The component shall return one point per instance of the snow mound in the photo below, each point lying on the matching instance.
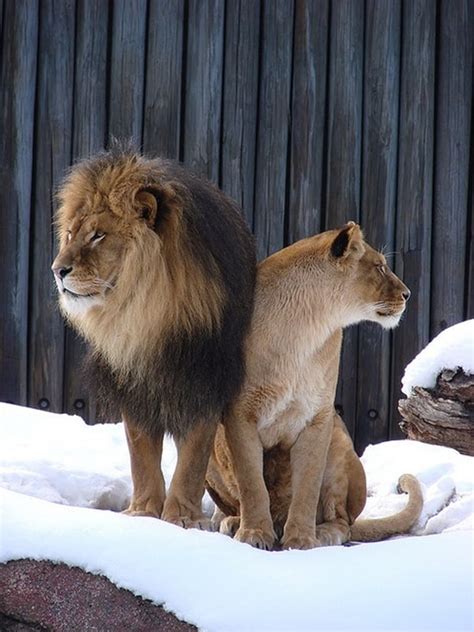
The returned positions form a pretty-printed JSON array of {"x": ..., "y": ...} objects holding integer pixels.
[
  {"x": 452, "y": 348},
  {"x": 214, "y": 582}
]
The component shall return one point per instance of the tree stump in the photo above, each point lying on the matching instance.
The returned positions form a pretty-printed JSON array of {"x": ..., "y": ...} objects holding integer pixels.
[{"x": 443, "y": 415}]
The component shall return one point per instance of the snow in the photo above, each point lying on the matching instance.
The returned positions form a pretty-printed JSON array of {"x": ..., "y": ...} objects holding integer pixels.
[
  {"x": 452, "y": 348},
  {"x": 55, "y": 472}
]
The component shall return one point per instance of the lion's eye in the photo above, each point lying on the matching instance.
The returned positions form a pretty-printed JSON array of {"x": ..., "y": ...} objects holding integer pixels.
[
  {"x": 382, "y": 268},
  {"x": 97, "y": 236},
  {"x": 68, "y": 235}
]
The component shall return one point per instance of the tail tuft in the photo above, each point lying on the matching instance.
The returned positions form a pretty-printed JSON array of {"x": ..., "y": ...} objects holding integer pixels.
[{"x": 381, "y": 528}]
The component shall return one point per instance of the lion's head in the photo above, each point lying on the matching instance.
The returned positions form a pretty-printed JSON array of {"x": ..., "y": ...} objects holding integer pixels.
[
  {"x": 127, "y": 270},
  {"x": 156, "y": 269}
]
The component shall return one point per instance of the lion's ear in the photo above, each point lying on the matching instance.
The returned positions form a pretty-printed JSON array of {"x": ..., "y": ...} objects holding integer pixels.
[
  {"x": 348, "y": 243},
  {"x": 146, "y": 201}
]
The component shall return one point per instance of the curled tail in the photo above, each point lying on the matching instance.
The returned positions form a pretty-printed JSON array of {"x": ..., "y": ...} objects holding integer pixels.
[{"x": 376, "y": 529}]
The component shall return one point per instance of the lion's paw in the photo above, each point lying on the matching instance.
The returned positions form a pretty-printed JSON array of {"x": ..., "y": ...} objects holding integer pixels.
[
  {"x": 300, "y": 541},
  {"x": 229, "y": 525},
  {"x": 259, "y": 538}
]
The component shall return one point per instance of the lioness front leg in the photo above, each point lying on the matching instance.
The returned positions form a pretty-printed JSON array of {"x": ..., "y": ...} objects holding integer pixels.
[
  {"x": 148, "y": 482},
  {"x": 308, "y": 460},
  {"x": 183, "y": 505},
  {"x": 256, "y": 525}
]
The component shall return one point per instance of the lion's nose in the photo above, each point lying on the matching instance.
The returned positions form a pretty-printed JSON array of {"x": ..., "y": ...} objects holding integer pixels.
[
  {"x": 61, "y": 271},
  {"x": 406, "y": 294}
]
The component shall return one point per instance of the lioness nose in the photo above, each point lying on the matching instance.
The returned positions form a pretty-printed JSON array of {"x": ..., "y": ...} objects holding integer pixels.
[
  {"x": 406, "y": 294},
  {"x": 61, "y": 272}
]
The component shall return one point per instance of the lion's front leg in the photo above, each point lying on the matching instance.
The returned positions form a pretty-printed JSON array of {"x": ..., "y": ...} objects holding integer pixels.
[
  {"x": 308, "y": 461},
  {"x": 148, "y": 482},
  {"x": 183, "y": 505}
]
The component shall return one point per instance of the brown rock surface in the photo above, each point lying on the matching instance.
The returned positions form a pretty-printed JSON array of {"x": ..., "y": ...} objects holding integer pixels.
[{"x": 58, "y": 598}]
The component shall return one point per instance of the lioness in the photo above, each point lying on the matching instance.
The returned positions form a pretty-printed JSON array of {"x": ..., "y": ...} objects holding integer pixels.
[
  {"x": 156, "y": 269},
  {"x": 282, "y": 433}
]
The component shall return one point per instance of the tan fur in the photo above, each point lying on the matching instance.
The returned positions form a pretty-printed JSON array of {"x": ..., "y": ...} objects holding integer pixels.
[{"x": 283, "y": 459}]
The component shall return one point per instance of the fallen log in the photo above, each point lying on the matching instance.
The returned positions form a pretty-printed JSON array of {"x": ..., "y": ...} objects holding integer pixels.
[{"x": 443, "y": 415}]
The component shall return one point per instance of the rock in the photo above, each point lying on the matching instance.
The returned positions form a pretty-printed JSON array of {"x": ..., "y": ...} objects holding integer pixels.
[{"x": 59, "y": 598}]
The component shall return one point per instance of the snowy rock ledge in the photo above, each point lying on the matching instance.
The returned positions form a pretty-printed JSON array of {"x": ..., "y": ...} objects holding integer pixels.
[{"x": 439, "y": 384}]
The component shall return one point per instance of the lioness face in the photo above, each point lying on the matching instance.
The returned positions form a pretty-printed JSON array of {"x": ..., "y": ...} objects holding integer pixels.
[
  {"x": 370, "y": 288},
  {"x": 380, "y": 289}
]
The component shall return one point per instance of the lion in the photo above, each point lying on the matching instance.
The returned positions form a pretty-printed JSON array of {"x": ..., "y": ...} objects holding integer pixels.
[
  {"x": 283, "y": 464},
  {"x": 156, "y": 270}
]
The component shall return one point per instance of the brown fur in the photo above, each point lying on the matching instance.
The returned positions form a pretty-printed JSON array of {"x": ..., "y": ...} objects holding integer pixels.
[
  {"x": 156, "y": 270},
  {"x": 283, "y": 459}
]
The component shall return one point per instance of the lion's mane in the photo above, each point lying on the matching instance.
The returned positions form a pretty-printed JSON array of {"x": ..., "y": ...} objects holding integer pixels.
[{"x": 166, "y": 349}]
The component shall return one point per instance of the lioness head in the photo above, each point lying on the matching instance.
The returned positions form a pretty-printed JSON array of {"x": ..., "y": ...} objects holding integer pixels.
[{"x": 369, "y": 284}]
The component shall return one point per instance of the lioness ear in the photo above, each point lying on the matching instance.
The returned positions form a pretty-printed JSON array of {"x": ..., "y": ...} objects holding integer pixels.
[
  {"x": 146, "y": 201},
  {"x": 348, "y": 242}
]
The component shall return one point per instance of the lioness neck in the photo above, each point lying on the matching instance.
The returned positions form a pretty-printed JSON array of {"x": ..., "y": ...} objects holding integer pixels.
[{"x": 304, "y": 302}]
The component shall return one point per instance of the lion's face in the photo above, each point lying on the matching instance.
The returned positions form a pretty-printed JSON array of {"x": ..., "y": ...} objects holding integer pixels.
[
  {"x": 92, "y": 249},
  {"x": 101, "y": 215}
]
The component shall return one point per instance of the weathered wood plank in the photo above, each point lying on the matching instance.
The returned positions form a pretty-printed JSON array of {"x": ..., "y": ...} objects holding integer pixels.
[
  {"x": 469, "y": 298},
  {"x": 344, "y": 159},
  {"x": 308, "y": 118},
  {"x": 127, "y": 70},
  {"x": 164, "y": 64},
  {"x": 453, "y": 119},
  {"x": 415, "y": 186},
  {"x": 273, "y": 125},
  {"x": 90, "y": 118},
  {"x": 53, "y": 146},
  {"x": 1, "y": 20},
  {"x": 379, "y": 183},
  {"x": 240, "y": 101},
  {"x": 204, "y": 68},
  {"x": 17, "y": 103}
]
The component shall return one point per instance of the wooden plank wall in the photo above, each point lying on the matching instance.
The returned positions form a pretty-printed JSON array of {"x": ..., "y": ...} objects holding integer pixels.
[{"x": 307, "y": 112}]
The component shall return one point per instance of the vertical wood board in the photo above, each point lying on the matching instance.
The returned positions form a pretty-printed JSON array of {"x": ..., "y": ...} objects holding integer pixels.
[
  {"x": 415, "y": 186},
  {"x": 17, "y": 106},
  {"x": 273, "y": 126},
  {"x": 53, "y": 146},
  {"x": 164, "y": 68},
  {"x": 240, "y": 99}
]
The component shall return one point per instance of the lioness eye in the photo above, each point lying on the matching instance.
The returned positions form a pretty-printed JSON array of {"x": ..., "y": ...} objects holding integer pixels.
[
  {"x": 381, "y": 267},
  {"x": 97, "y": 236}
]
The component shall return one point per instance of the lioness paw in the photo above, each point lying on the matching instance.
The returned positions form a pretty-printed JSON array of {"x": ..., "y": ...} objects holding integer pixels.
[
  {"x": 140, "y": 513},
  {"x": 203, "y": 523},
  {"x": 229, "y": 525},
  {"x": 301, "y": 542},
  {"x": 258, "y": 538}
]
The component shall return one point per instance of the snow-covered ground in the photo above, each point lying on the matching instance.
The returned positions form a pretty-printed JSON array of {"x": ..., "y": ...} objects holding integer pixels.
[
  {"x": 56, "y": 472},
  {"x": 451, "y": 349}
]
